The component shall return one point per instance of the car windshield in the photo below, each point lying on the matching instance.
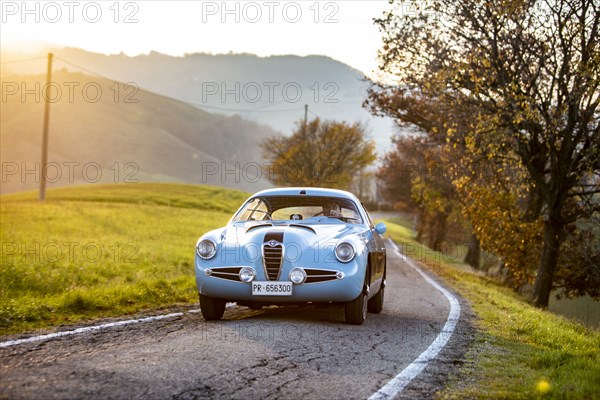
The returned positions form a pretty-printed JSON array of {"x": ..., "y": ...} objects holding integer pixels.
[{"x": 299, "y": 208}]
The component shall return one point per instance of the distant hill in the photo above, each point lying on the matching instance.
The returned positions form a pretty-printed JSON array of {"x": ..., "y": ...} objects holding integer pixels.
[
  {"x": 104, "y": 132},
  {"x": 270, "y": 90}
]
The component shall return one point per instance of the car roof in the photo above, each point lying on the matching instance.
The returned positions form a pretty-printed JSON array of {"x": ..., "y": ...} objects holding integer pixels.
[{"x": 307, "y": 191}]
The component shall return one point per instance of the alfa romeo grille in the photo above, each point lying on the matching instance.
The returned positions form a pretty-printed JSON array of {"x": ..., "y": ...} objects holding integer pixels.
[{"x": 272, "y": 257}]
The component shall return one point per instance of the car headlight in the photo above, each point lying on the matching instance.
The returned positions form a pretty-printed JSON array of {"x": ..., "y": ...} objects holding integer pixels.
[
  {"x": 344, "y": 252},
  {"x": 298, "y": 276},
  {"x": 247, "y": 274},
  {"x": 206, "y": 249}
]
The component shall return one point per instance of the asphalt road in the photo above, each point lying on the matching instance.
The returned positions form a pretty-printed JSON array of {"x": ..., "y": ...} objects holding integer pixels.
[{"x": 290, "y": 353}]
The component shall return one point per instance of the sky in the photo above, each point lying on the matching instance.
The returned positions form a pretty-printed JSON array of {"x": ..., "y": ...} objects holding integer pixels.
[{"x": 343, "y": 30}]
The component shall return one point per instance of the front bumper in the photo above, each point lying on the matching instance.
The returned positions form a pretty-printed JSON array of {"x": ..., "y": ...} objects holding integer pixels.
[{"x": 226, "y": 286}]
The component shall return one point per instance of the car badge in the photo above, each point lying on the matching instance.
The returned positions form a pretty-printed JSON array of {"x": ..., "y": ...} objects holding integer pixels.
[{"x": 273, "y": 243}]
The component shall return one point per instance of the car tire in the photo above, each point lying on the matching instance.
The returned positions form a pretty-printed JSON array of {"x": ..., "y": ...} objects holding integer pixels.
[
  {"x": 375, "y": 305},
  {"x": 212, "y": 309},
  {"x": 356, "y": 310}
]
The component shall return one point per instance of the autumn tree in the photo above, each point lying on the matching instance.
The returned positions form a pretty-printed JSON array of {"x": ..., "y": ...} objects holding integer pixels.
[
  {"x": 395, "y": 173},
  {"x": 528, "y": 73},
  {"x": 494, "y": 198},
  {"x": 413, "y": 110},
  {"x": 412, "y": 176},
  {"x": 322, "y": 153}
]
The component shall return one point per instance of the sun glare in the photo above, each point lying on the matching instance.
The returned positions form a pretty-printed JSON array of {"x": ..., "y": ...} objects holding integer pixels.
[{"x": 344, "y": 32}]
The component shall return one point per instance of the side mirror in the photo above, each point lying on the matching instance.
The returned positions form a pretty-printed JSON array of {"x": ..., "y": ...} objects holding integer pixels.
[{"x": 380, "y": 228}]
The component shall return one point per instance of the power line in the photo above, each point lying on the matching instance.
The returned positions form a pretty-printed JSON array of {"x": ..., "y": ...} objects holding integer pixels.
[
  {"x": 183, "y": 101},
  {"x": 23, "y": 60},
  {"x": 242, "y": 110},
  {"x": 88, "y": 70},
  {"x": 200, "y": 105},
  {"x": 310, "y": 111}
]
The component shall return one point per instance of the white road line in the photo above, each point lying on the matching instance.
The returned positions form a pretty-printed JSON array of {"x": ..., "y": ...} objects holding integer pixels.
[
  {"x": 85, "y": 329},
  {"x": 400, "y": 381}
]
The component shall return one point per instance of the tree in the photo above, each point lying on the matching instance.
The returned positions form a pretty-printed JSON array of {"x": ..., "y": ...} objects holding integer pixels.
[
  {"x": 580, "y": 258},
  {"x": 431, "y": 190},
  {"x": 324, "y": 153},
  {"x": 529, "y": 72},
  {"x": 412, "y": 177},
  {"x": 396, "y": 172}
]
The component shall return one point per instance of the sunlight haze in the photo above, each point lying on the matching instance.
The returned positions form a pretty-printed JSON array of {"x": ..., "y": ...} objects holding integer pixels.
[{"x": 343, "y": 30}]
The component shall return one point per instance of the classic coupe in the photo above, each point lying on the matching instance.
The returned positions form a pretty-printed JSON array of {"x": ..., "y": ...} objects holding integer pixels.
[{"x": 294, "y": 246}]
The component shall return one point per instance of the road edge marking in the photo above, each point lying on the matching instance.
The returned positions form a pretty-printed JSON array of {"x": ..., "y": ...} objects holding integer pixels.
[
  {"x": 55, "y": 335},
  {"x": 84, "y": 329},
  {"x": 400, "y": 381}
]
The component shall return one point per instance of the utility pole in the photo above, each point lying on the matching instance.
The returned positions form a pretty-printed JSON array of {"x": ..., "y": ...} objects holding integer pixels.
[
  {"x": 305, "y": 117},
  {"x": 44, "y": 165}
]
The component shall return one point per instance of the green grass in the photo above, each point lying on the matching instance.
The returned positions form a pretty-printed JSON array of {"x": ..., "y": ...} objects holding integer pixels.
[
  {"x": 520, "y": 352},
  {"x": 102, "y": 250},
  {"x": 399, "y": 229}
]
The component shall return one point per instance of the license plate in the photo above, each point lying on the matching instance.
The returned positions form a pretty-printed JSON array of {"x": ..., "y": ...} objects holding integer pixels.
[{"x": 260, "y": 288}]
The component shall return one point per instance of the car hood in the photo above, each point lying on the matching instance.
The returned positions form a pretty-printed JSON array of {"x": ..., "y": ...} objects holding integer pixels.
[{"x": 311, "y": 235}]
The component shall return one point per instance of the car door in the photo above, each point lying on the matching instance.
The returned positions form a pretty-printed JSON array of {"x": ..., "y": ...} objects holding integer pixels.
[{"x": 377, "y": 249}]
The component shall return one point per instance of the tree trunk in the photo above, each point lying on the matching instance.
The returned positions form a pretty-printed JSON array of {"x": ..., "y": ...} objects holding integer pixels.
[
  {"x": 473, "y": 256},
  {"x": 548, "y": 262},
  {"x": 438, "y": 229},
  {"x": 421, "y": 224}
]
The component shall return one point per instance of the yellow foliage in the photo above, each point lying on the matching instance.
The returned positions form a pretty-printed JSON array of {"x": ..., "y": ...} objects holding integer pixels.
[{"x": 323, "y": 154}]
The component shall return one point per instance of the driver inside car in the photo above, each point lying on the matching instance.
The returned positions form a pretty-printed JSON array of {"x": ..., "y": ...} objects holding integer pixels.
[{"x": 332, "y": 209}]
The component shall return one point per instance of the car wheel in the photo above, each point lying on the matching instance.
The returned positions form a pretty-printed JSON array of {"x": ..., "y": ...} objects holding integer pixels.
[
  {"x": 356, "y": 310},
  {"x": 375, "y": 305},
  {"x": 212, "y": 309}
]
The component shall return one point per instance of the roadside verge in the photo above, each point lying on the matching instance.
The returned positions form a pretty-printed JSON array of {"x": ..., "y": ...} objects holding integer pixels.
[{"x": 519, "y": 351}]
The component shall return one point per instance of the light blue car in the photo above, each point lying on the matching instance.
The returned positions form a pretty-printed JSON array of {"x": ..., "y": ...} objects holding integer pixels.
[{"x": 294, "y": 246}]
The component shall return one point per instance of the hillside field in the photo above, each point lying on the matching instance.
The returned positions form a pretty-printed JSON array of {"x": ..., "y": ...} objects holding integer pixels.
[{"x": 102, "y": 250}]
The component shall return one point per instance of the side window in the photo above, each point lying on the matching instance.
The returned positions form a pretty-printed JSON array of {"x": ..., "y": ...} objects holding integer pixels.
[
  {"x": 369, "y": 220},
  {"x": 255, "y": 210},
  {"x": 259, "y": 212}
]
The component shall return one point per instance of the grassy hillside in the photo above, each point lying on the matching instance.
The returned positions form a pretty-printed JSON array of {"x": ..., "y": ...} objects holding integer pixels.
[
  {"x": 520, "y": 352},
  {"x": 106, "y": 132},
  {"x": 102, "y": 250}
]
